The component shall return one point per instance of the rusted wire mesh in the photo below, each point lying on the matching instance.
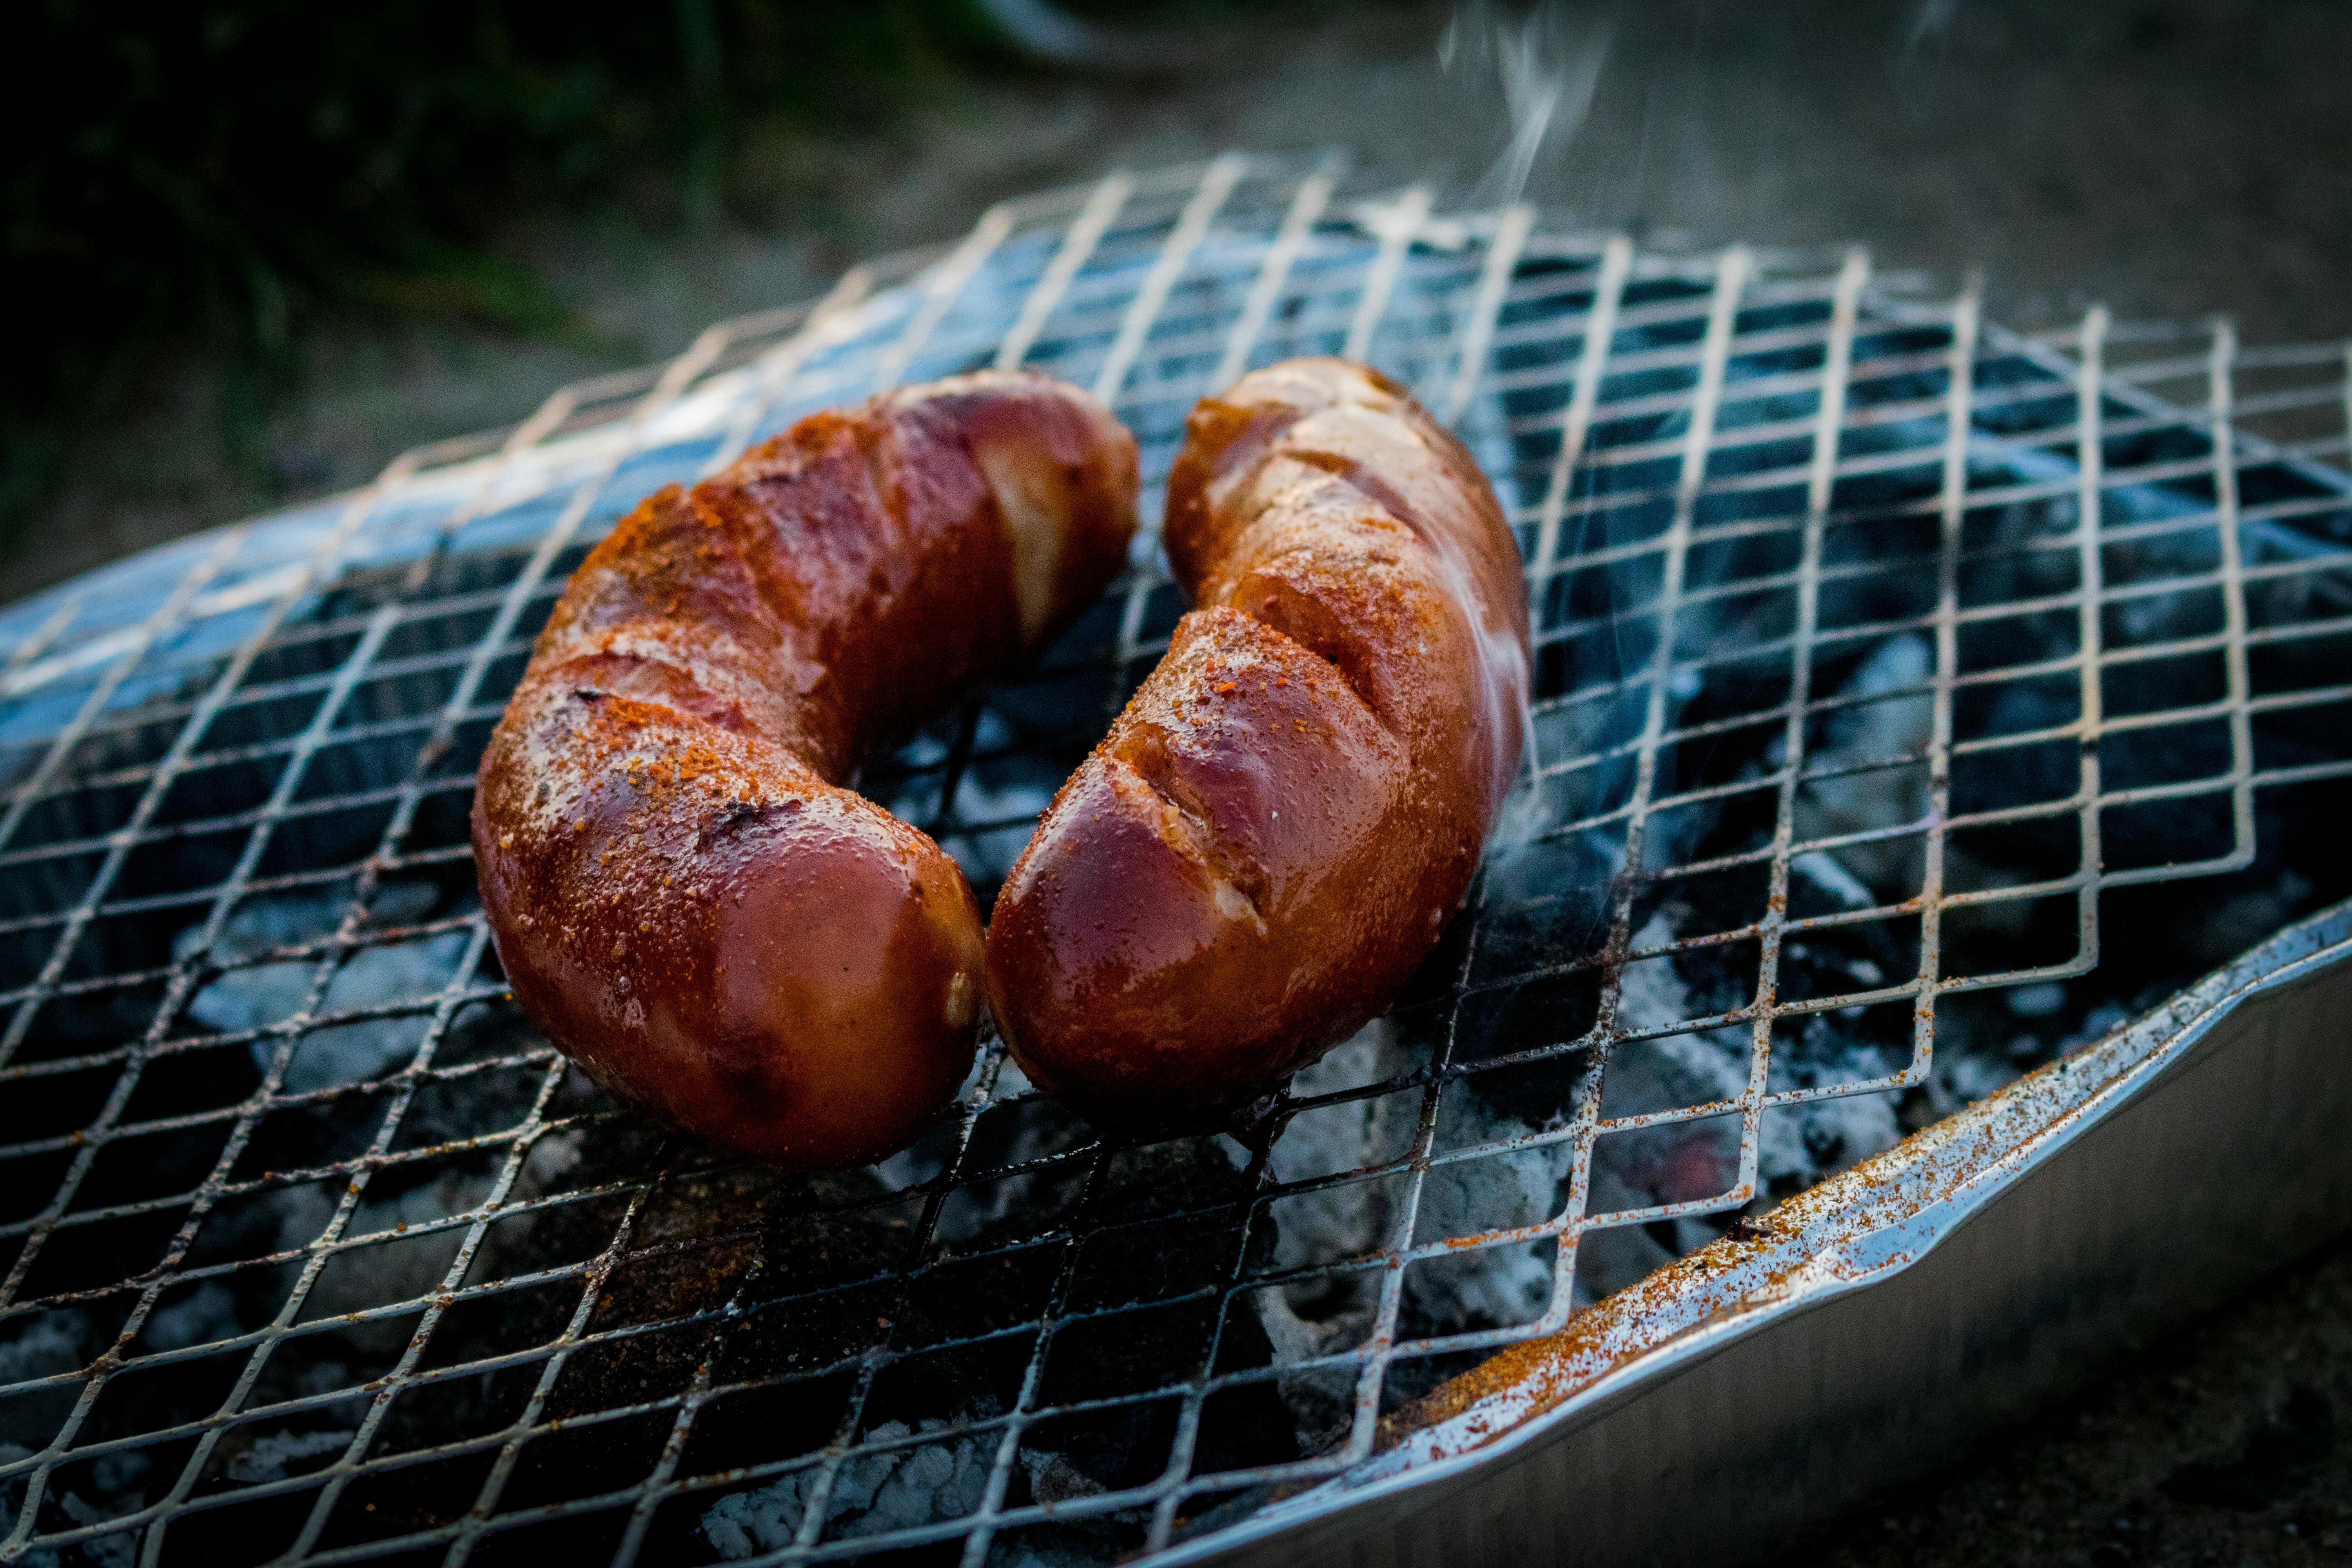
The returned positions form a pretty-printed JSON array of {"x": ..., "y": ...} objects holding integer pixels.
[{"x": 1888, "y": 663}]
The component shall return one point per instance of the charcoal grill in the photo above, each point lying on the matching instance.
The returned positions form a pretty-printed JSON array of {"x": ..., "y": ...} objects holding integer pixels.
[{"x": 1922, "y": 872}]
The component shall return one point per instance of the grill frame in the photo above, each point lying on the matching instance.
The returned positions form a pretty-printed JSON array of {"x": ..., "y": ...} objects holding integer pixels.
[
  {"x": 400, "y": 552},
  {"x": 2010, "y": 1255}
]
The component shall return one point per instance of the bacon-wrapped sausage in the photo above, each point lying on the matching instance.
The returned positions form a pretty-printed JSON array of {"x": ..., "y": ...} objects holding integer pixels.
[
  {"x": 684, "y": 896},
  {"x": 1277, "y": 829}
]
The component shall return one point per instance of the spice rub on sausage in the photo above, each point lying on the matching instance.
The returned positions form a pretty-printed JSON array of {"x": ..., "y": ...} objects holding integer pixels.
[
  {"x": 685, "y": 896},
  {"x": 1277, "y": 828}
]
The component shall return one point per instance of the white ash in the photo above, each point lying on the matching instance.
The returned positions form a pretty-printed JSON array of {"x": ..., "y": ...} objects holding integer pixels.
[
  {"x": 277, "y": 1455},
  {"x": 262, "y": 994},
  {"x": 1667, "y": 1163},
  {"x": 1823, "y": 870},
  {"x": 412, "y": 1261},
  {"x": 403, "y": 1266},
  {"x": 2036, "y": 1001},
  {"x": 1509, "y": 1284},
  {"x": 204, "y": 1314},
  {"x": 1835, "y": 1132},
  {"x": 874, "y": 1491},
  {"x": 398, "y": 1268},
  {"x": 1320, "y": 1317}
]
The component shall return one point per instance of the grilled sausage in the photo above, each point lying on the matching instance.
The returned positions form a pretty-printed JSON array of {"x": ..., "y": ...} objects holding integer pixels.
[
  {"x": 1277, "y": 828},
  {"x": 684, "y": 896}
]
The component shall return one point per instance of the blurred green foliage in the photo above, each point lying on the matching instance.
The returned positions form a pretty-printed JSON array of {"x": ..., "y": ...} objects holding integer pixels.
[{"x": 201, "y": 172}]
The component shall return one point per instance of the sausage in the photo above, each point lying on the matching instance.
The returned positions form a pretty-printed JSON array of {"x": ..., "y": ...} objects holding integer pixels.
[
  {"x": 686, "y": 899},
  {"x": 1279, "y": 825}
]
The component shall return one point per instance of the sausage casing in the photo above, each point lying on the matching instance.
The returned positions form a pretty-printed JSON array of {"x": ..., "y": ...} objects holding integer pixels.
[
  {"x": 684, "y": 896},
  {"x": 1277, "y": 828}
]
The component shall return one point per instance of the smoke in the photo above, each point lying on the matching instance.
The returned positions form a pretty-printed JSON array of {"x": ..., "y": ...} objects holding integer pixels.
[
  {"x": 1546, "y": 66},
  {"x": 1931, "y": 26},
  {"x": 1050, "y": 34}
]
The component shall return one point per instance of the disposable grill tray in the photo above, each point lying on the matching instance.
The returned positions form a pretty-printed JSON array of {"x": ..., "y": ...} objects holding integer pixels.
[{"x": 1894, "y": 673}]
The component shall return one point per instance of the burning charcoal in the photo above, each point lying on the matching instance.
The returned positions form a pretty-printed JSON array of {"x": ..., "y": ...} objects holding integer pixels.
[
  {"x": 43, "y": 1345},
  {"x": 1613, "y": 1257},
  {"x": 50, "y": 1343},
  {"x": 1673, "y": 1162},
  {"x": 1494, "y": 1285},
  {"x": 2228, "y": 926},
  {"x": 1485, "y": 1288},
  {"x": 1001, "y": 783},
  {"x": 1963, "y": 1078},
  {"x": 2103, "y": 1020},
  {"x": 1875, "y": 732},
  {"x": 1322, "y": 1400},
  {"x": 2028, "y": 772},
  {"x": 108, "y": 1489},
  {"x": 1803, "y": 1143},
  {"x": 1004, "y": 1139},
  {"x": 874, "y": 1491},
  {"x": 1319, "y": 1316},
  {"x": 1677, "y": 1160},
  {"x": 1053, "y": 1478},
  {"x": 987, "y": 856}
]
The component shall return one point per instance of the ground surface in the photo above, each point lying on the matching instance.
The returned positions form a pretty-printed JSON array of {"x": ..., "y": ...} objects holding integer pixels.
[
  {"x": 2227, "y": 1445},
  {"x": 2167, "y": 158}
]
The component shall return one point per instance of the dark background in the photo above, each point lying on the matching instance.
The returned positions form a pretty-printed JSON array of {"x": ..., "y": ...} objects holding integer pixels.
[{"x": 256, "y": 248}]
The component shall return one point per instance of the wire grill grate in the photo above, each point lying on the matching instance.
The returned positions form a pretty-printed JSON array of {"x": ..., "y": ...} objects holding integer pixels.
[{"x": 1881, "y": 656}]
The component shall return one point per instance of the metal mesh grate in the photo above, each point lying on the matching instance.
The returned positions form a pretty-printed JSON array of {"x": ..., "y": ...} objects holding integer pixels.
[{"x": 1885, "y": 657}]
